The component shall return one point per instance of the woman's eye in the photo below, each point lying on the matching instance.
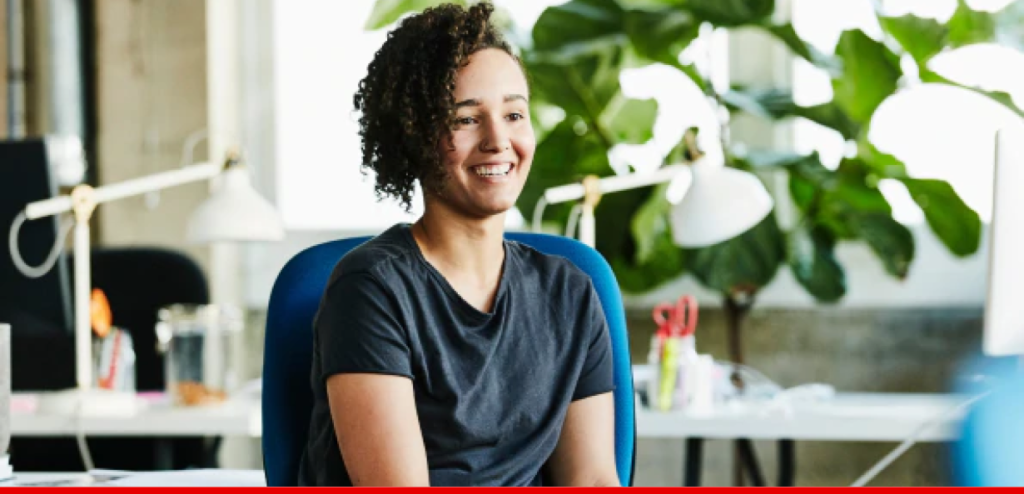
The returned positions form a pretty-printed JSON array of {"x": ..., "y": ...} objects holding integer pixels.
[
  {"x": 516, "y": 116},
  {"x": 465, "y": 121}
]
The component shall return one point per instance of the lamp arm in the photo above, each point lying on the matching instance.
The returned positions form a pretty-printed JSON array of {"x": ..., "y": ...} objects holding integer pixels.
[
  {"x": 128, "y": 188},
  {"x": 616, "y": 183}
]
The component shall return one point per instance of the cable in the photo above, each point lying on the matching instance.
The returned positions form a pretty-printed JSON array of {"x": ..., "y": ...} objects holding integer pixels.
[
  {"x": 83, "y": 447},
  {"x": 574, "y": 216},
  {"x": 51, "y": 259},
  {"x": 910, "y": 441},
  {"x": 538, "y": 214}
]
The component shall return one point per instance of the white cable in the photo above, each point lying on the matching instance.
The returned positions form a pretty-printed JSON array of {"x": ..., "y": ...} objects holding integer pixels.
[
  {"x": 538, "y": 214},
  {"x": 83, "y": 447},
  {"x": 574, "y": 216},
  {"x": 51, "y": 259},
  {"x": 910, "y": 441}
]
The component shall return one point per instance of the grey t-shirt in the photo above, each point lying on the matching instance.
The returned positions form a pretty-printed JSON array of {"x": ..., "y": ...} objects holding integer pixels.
[{"x": 491, "y": 389}]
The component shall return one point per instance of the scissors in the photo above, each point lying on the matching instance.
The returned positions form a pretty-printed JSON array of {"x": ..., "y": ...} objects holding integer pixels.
[{"x": 676, "y": 320}]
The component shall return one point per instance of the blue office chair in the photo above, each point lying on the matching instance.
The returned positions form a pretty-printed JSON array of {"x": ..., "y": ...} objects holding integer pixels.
[{"x": 287, "y": 361}]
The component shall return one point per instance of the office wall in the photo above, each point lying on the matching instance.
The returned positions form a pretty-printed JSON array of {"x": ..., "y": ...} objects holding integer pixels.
[{"x": 151, "y": 94}]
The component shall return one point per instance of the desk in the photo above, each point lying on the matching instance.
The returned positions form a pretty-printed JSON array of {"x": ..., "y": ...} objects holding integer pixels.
[
  {"x": 192, "y": 478},
  {"x": 237, "y": 417},
  {"x": 844, "y": 418},
  {"x": 847, "y": 417}
]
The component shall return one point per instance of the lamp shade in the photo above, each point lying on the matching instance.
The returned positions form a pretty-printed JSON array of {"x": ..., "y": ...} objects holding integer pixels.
[
  {"x": 720, "y": 204},
  {"x": 235, "y": 212}
]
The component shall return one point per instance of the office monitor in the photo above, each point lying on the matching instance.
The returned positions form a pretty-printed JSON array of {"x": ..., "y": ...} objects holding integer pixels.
[
  {"x": 1004, "y": 306},
  {"x": 30, "y": 305}
]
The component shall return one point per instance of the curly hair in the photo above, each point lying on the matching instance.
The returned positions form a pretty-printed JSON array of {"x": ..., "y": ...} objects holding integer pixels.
[{"x": 406, "y": 100}]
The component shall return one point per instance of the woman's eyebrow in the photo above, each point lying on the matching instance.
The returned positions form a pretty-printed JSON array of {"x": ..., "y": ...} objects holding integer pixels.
[{"x": 473, "y": 102}]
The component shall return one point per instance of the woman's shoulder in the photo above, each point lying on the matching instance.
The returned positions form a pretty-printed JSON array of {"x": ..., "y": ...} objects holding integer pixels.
[
  {"x": 551, "y": 268},
  {"x": 369, "y": 260}
]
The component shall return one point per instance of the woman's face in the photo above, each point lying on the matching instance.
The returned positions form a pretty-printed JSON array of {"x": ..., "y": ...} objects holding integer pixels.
[{"x": 492, "y": 144}]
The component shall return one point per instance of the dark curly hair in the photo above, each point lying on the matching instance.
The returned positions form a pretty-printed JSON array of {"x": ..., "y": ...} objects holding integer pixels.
[{"x": 406, "y": 99}]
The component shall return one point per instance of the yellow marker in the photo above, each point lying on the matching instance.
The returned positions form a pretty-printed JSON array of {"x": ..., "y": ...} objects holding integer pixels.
[{"x": 669, "y": 369}]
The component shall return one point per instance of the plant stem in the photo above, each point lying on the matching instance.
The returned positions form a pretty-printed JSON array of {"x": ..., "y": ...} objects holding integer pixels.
[{"x": 737, "y": 307}]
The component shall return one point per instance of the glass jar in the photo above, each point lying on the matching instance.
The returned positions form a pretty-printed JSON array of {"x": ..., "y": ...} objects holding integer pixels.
[{"x": 197, "y": 342}]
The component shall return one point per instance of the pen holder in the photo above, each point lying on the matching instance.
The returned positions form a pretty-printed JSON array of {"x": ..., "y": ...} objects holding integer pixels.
[{"x": 682, "y": 379}]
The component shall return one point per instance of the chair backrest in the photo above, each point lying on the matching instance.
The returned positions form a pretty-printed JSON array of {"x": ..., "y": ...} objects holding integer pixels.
[{"x": 288, "y": 399}]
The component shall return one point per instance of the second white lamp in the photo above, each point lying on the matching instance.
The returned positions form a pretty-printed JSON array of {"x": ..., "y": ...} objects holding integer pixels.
[{"x": 720, "y": 203}]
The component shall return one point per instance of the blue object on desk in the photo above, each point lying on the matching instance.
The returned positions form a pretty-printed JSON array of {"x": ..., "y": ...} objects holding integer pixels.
[
  {"x": 288, "y": 353},
  {"x": 991, "y": 443}
]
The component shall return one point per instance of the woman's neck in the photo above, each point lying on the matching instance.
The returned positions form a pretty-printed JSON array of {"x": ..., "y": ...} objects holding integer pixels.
[{"x": 469, "y": 252}]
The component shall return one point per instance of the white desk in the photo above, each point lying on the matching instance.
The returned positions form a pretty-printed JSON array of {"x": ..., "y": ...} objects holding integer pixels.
[
  {"x": 241, "y": 417},
  {"x": 192, "y": 478},
  {"x": 846, "y": 417}
]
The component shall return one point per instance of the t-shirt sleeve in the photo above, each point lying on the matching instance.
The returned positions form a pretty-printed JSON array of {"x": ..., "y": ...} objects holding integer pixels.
[
  {"x": 359, "y": 330},
  {"x": 596, "y": 376}
]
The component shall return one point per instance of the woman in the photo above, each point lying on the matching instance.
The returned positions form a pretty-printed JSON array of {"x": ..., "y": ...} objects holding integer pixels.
[{"x": 443, "y": 354}]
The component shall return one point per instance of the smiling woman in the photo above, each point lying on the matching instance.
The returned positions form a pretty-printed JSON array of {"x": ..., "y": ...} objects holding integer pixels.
[{"x": 443, "y": 353}]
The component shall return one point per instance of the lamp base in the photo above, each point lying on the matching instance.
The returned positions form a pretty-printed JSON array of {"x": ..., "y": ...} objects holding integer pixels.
[{"x": 89, "y": 402}]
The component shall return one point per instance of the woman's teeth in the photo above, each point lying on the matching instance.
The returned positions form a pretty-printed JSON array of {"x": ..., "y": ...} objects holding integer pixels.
[{"x": 493, "y": 170}]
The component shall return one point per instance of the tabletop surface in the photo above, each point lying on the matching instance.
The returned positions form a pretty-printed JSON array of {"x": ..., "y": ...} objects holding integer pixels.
[
  {"x": 844, "y": 417},
  {"x": 196, "y": 477}
]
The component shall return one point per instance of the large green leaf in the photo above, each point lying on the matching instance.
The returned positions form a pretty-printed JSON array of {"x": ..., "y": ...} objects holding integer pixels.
[
  {"x": 831, "y": 116},
  {"x": 883, "y": 164},
  {"x": 805, "y": 50},
  {"x": 835, "y": 197},
  {"x": 578, "y": 22},
  {"x": 630, "y": 120},
  {"x": 999, "y": 97},
  {"x": 955, "y": 223},
  {"x": 746, "y": 263},
  {"x": 766, "y": 103},
  {"x": 731, "y": 13},
  {"x": 778, "y": 104},
  {"x": 386, "y": 12},
  {"x": 563, "y": 157},
  {"x": 921, "y": 38},
  {"x": 870, "y": 75},
  {"x": 665, "y": 263},
  {"x": 650, "y": 223},
  {"x": 614, "y": 239},
  {"x": 890, "y": 240},
  {"x": 583, "y": 87},
  {"x": 660, "y": 35},
  {"x": 813, "y": 263},
  {"x": 970, "y": 26}
]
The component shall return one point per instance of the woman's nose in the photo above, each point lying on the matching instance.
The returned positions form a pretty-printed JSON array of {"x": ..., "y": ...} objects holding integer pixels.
[{"x": 496, "y": 138}]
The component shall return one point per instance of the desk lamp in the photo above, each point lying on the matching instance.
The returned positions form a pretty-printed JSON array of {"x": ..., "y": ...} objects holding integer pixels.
[
  {"x": 721, "y": 202},
  {"x": 233, "y": 212}
]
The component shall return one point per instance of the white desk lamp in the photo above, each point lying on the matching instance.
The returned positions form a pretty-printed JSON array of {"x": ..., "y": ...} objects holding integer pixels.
[
  {"x": 721, "y": 202},
  {"x": 233, "y": 212}
]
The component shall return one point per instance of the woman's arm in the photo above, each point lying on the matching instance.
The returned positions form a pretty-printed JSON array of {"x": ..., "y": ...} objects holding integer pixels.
[
  {"x": 585, "y": 454},
  {"x": 378, "y": 429}
]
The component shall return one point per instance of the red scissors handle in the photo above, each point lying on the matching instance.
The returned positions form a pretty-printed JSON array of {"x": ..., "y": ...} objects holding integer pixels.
[{"x": 676, "y": 320}]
